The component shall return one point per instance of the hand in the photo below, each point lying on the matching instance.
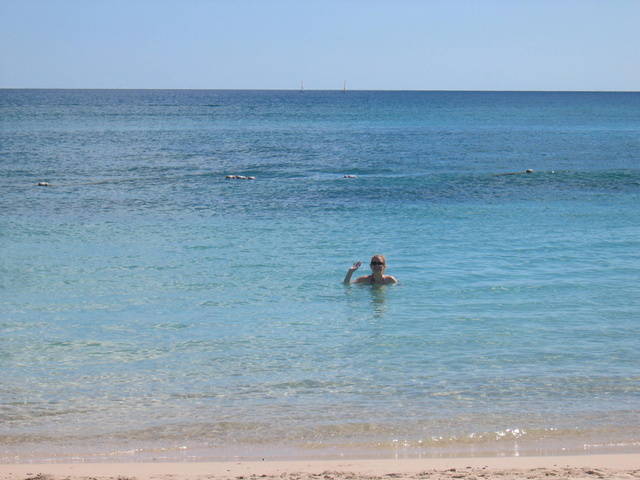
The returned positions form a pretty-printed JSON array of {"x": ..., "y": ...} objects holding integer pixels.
[{"x": 355, "y": 266}]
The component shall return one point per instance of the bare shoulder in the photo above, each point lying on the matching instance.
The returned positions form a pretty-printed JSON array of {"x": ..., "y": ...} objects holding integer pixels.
[
  {"x": 363, "y": 279},
  {"x": 390, "y": 279}
]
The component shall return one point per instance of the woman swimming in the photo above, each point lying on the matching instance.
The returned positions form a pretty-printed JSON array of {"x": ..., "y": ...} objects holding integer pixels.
[{"x": 378, "y": 265}]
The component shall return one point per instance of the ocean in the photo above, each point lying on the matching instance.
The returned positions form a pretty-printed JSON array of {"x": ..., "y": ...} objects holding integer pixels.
[{"x": 153, "y": 309}]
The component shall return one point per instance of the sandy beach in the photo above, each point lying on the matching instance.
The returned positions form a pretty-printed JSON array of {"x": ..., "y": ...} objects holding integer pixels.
[{"x": 623, "y": 466}]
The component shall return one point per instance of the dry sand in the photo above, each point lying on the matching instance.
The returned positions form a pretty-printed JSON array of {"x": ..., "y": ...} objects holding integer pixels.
[{"x": 592, "y": 467}]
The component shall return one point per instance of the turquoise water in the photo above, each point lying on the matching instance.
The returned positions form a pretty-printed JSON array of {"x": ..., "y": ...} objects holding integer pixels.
[{"x": 151, "y": 308}]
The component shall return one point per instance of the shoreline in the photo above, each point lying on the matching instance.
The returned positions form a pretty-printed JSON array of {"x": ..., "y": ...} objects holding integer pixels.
[{"x": 590, "y": 466}]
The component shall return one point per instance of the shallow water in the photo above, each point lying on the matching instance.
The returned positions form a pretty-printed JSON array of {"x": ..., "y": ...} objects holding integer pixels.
[{"x": 152, "y": 308}]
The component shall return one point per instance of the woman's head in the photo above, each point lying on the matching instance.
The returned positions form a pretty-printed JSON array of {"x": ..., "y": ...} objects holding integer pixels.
[{"x": 378, "y": 262}]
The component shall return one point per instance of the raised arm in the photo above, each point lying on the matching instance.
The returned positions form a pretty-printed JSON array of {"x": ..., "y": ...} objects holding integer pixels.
[{"x": 352, "y": 268}]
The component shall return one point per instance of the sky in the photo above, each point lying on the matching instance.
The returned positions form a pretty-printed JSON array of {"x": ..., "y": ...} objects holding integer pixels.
[{"x": 580, "y": 45}]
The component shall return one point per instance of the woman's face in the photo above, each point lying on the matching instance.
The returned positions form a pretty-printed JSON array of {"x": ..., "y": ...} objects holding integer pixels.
[{"x": 377, "y": 264}]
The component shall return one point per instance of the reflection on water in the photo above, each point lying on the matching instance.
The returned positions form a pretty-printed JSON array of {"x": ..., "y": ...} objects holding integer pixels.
[{"x": 379, "y": 300}]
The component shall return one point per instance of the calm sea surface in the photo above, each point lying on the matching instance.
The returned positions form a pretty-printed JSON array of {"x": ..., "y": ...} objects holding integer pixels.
[{"x": 151, "y": 308}]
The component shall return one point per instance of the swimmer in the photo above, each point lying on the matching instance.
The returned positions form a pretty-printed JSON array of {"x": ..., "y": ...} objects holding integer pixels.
[
  {"x": 528, "y": 170},
  {"x": 378, "y": 265},
  {"x": 239, "y": 177}
]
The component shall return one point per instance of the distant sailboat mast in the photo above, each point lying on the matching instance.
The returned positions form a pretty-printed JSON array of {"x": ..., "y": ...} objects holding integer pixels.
[
  {"x": 344, "y": 89},
  {"x": 301, "y": 86}
]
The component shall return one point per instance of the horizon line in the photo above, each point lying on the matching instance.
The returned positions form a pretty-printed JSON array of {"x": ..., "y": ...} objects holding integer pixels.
[{"x": 319, "y": 90}]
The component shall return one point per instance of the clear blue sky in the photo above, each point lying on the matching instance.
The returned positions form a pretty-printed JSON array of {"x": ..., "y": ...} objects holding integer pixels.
[{"x": 274, "y": 44}]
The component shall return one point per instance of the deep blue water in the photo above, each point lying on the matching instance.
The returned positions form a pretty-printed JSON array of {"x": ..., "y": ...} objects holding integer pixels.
[{"x": 152, "y": 308}]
